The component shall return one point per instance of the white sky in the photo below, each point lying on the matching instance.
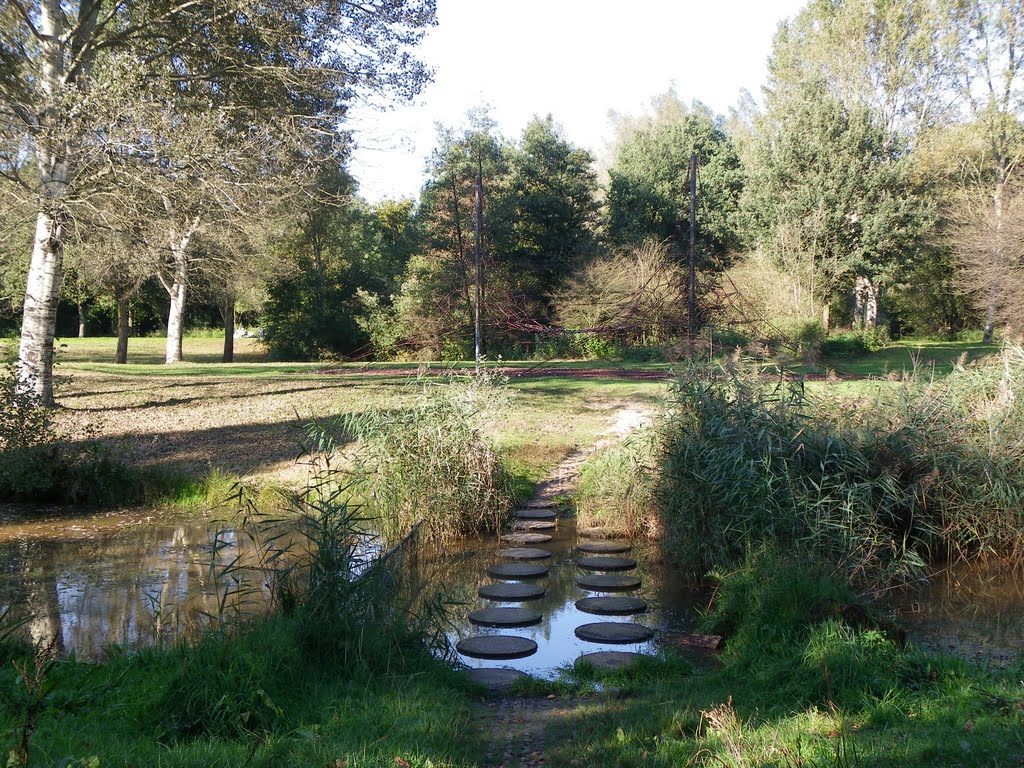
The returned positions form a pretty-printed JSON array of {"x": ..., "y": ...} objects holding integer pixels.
[{"x": 575, "y": 59}]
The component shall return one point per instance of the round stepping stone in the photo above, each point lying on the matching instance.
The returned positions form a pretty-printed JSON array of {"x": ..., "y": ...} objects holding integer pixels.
[
  {"x": 533, "y": 525},
  {"x": 525, "y": 538},
  {"x": 615, "y": 632},
  {"x": 598, "y": 533},
  {"x": 511, "y": 592},
  {"x": 611, "y": 659},
  {"x": 495, "y": 678},
  {"x": 496, "y": 647},
  {"x": 607, "y": 582},
  {"x": 603, "y": 547},
  {"x": 605, "y": 563},
  {"x": 524, "y": 553},
  {"x": 505, "y": 617},
  {"x": 541, "y": 504},
  {"x": 534, "y": 514},
  {"x": 517, "y": 570},
  {"x": 612, "y": 606}
]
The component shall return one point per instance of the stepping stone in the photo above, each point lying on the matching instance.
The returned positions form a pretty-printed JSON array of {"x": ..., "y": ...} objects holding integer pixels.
[
  {"x": 603, "y": 547},
  {"x": 495, "y": 678},
  {"x": 598, "y": 533},
  {"x": 534, "y": 514},
  {"x": 611, "y": 659},
  {"x": 612, "y": 606},
  {"x": 505, "y": 617},
  {"x": 517, "y": 570},
  {"x": 533, "y": 525},
  {"x": 511, "y": 592},
  {"x": 608, "y": 583},
  {"x": 541, "y": 504},
  {"x": 496, "y": 647},
  {"x": 524, "y": 553},
  {"x": 605, "y": 563},
  {"x": 615, "y": 632},
  {"x": 525, "y": 538}
]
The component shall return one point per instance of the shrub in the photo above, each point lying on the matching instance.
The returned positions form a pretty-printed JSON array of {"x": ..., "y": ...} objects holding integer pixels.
[{"x": 432, "y": 462}]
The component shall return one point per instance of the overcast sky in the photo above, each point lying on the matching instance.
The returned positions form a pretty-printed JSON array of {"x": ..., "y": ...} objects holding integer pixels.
[{"x": 575, "y": 59}]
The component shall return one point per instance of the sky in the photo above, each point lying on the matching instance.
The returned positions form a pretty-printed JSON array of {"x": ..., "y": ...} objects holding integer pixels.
[{"x": 577, "y": 60}]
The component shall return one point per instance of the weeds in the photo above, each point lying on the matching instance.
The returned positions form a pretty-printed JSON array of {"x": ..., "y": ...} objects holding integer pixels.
[{"x": 616, "y": 489}]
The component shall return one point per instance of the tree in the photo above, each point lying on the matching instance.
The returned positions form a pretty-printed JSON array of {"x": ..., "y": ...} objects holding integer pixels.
[
  {"x": 647, "y": 188},
  {"x": 70, "y": 72},
  {"x": 989, "y": 65}
]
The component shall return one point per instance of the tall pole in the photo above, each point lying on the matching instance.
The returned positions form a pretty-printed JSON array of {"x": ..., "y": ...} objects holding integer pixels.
[
  {"x": 691, "y": 281},
  {"x": 478, "y": 330}
]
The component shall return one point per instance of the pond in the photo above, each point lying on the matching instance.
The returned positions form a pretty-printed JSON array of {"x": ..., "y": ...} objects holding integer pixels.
[{"x": 137, "y": 579}]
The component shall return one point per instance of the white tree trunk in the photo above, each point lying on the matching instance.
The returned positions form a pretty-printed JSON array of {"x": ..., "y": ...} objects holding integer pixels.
[
  {"x": 39, "y": 316},
  {"x": 176, "y": 315}
]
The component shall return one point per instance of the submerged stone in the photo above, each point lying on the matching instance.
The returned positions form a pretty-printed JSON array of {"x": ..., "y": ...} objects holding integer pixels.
[
  {"x": 605, "y": 563},
  {"x": 511, "y": 592},
  {"x": 534, "y": 514},
  {"x": 496, "y": 647},
  {"x": 533, "y": 525},
  {"x": 517, "y": 570},
  {"x": 611, "y": 659},
  {"x": 612, "y": 606},
  {"x": 524, "y": 553},
  {"x": 495, "y": 678},
  {"x": 505, "y": 617},
  {"x": 606, "y": 582},
  {"x": 525, "y": 538},
  {"x": 603, "y": 547},
  {"x": 615, "y": 632}
]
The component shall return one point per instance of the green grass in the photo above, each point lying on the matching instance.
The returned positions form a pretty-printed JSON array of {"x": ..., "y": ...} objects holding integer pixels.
[{"x": 906, "y": 357}]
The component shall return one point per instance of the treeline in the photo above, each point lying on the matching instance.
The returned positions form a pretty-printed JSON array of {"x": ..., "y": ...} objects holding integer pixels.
[{"x": 878, "y": 187}]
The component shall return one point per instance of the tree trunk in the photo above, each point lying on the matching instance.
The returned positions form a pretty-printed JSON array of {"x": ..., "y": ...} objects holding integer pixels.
[
  {"x": 228, "y": 311},
  {"x": 39, "y": 316},
  {"x": 176, "y": 288},
  {"x": 123, "y": 327},
  {"x": 81, "y": 320},
  {"x": 997, "y": 261}
]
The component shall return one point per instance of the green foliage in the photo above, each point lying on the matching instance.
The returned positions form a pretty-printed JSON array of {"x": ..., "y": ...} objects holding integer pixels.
[
  {"x": 616, "y": 490},
  {"x": 875, "y": 491},
  {"x": 647, "y": 187},
  {"x": 432, "y": 462},
  {"x": 855, "y": 343}
]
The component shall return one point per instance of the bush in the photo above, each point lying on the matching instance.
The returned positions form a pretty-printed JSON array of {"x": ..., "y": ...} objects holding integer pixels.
[
  {"x": 876, "y": 491},
  {"x": 432, "y": 462}
]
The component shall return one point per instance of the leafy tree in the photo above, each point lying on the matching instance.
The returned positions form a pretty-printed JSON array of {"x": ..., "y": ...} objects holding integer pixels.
[
  {"x": 72, "y": 72},
  {"x": 648, "y": 192}
]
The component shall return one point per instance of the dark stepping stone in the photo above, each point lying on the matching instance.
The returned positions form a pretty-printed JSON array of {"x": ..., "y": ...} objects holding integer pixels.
[
  {"x": 534, "y": 514},
  {"x": 603, "y": 547},
  {"x": 607, "y": 582},
  {"x": 612, "y": 606},
  {"x": 605, "y": 563},
  {"x": 541, "y": 504},
  {"x": 495, "y": 678},
  {"x": 525, "y": 538},
  {"x": 505, "y": 617},
  {"x": 533, "y": 525},
  {"x": 517, "y": 570},
  {"x": 611, "y": 659},
  {"x": 598, "y": 533},
  {"x": 496, "y": 647},
  {"x": 511, "y": 592},
  {"x": 615, "y": 632},
  {"x": 524, "y": 553}
]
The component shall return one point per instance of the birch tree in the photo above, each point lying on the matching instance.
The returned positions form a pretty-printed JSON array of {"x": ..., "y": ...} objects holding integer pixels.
[{"x": 63, "y": 66}]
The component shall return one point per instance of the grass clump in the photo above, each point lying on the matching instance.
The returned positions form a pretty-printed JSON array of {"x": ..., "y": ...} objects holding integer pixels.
[
  {"x": 878, "y": 490},
  {"x": 616, "y": 489},
  {"x": 432, "y": 461}
]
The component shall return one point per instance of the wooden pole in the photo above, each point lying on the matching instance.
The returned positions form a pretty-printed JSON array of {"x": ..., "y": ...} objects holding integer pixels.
[
  {"x": 478, "y": 329},
  {"x": 691, "y": 280}
]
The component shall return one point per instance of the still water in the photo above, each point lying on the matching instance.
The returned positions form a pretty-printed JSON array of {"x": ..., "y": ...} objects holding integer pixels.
[{"x": 136, "y": 579}]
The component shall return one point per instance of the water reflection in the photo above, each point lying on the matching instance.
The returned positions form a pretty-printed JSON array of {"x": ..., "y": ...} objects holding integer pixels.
[
  {"x": 673, "y": 604},
  {"x": 123, "y": 580}
]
